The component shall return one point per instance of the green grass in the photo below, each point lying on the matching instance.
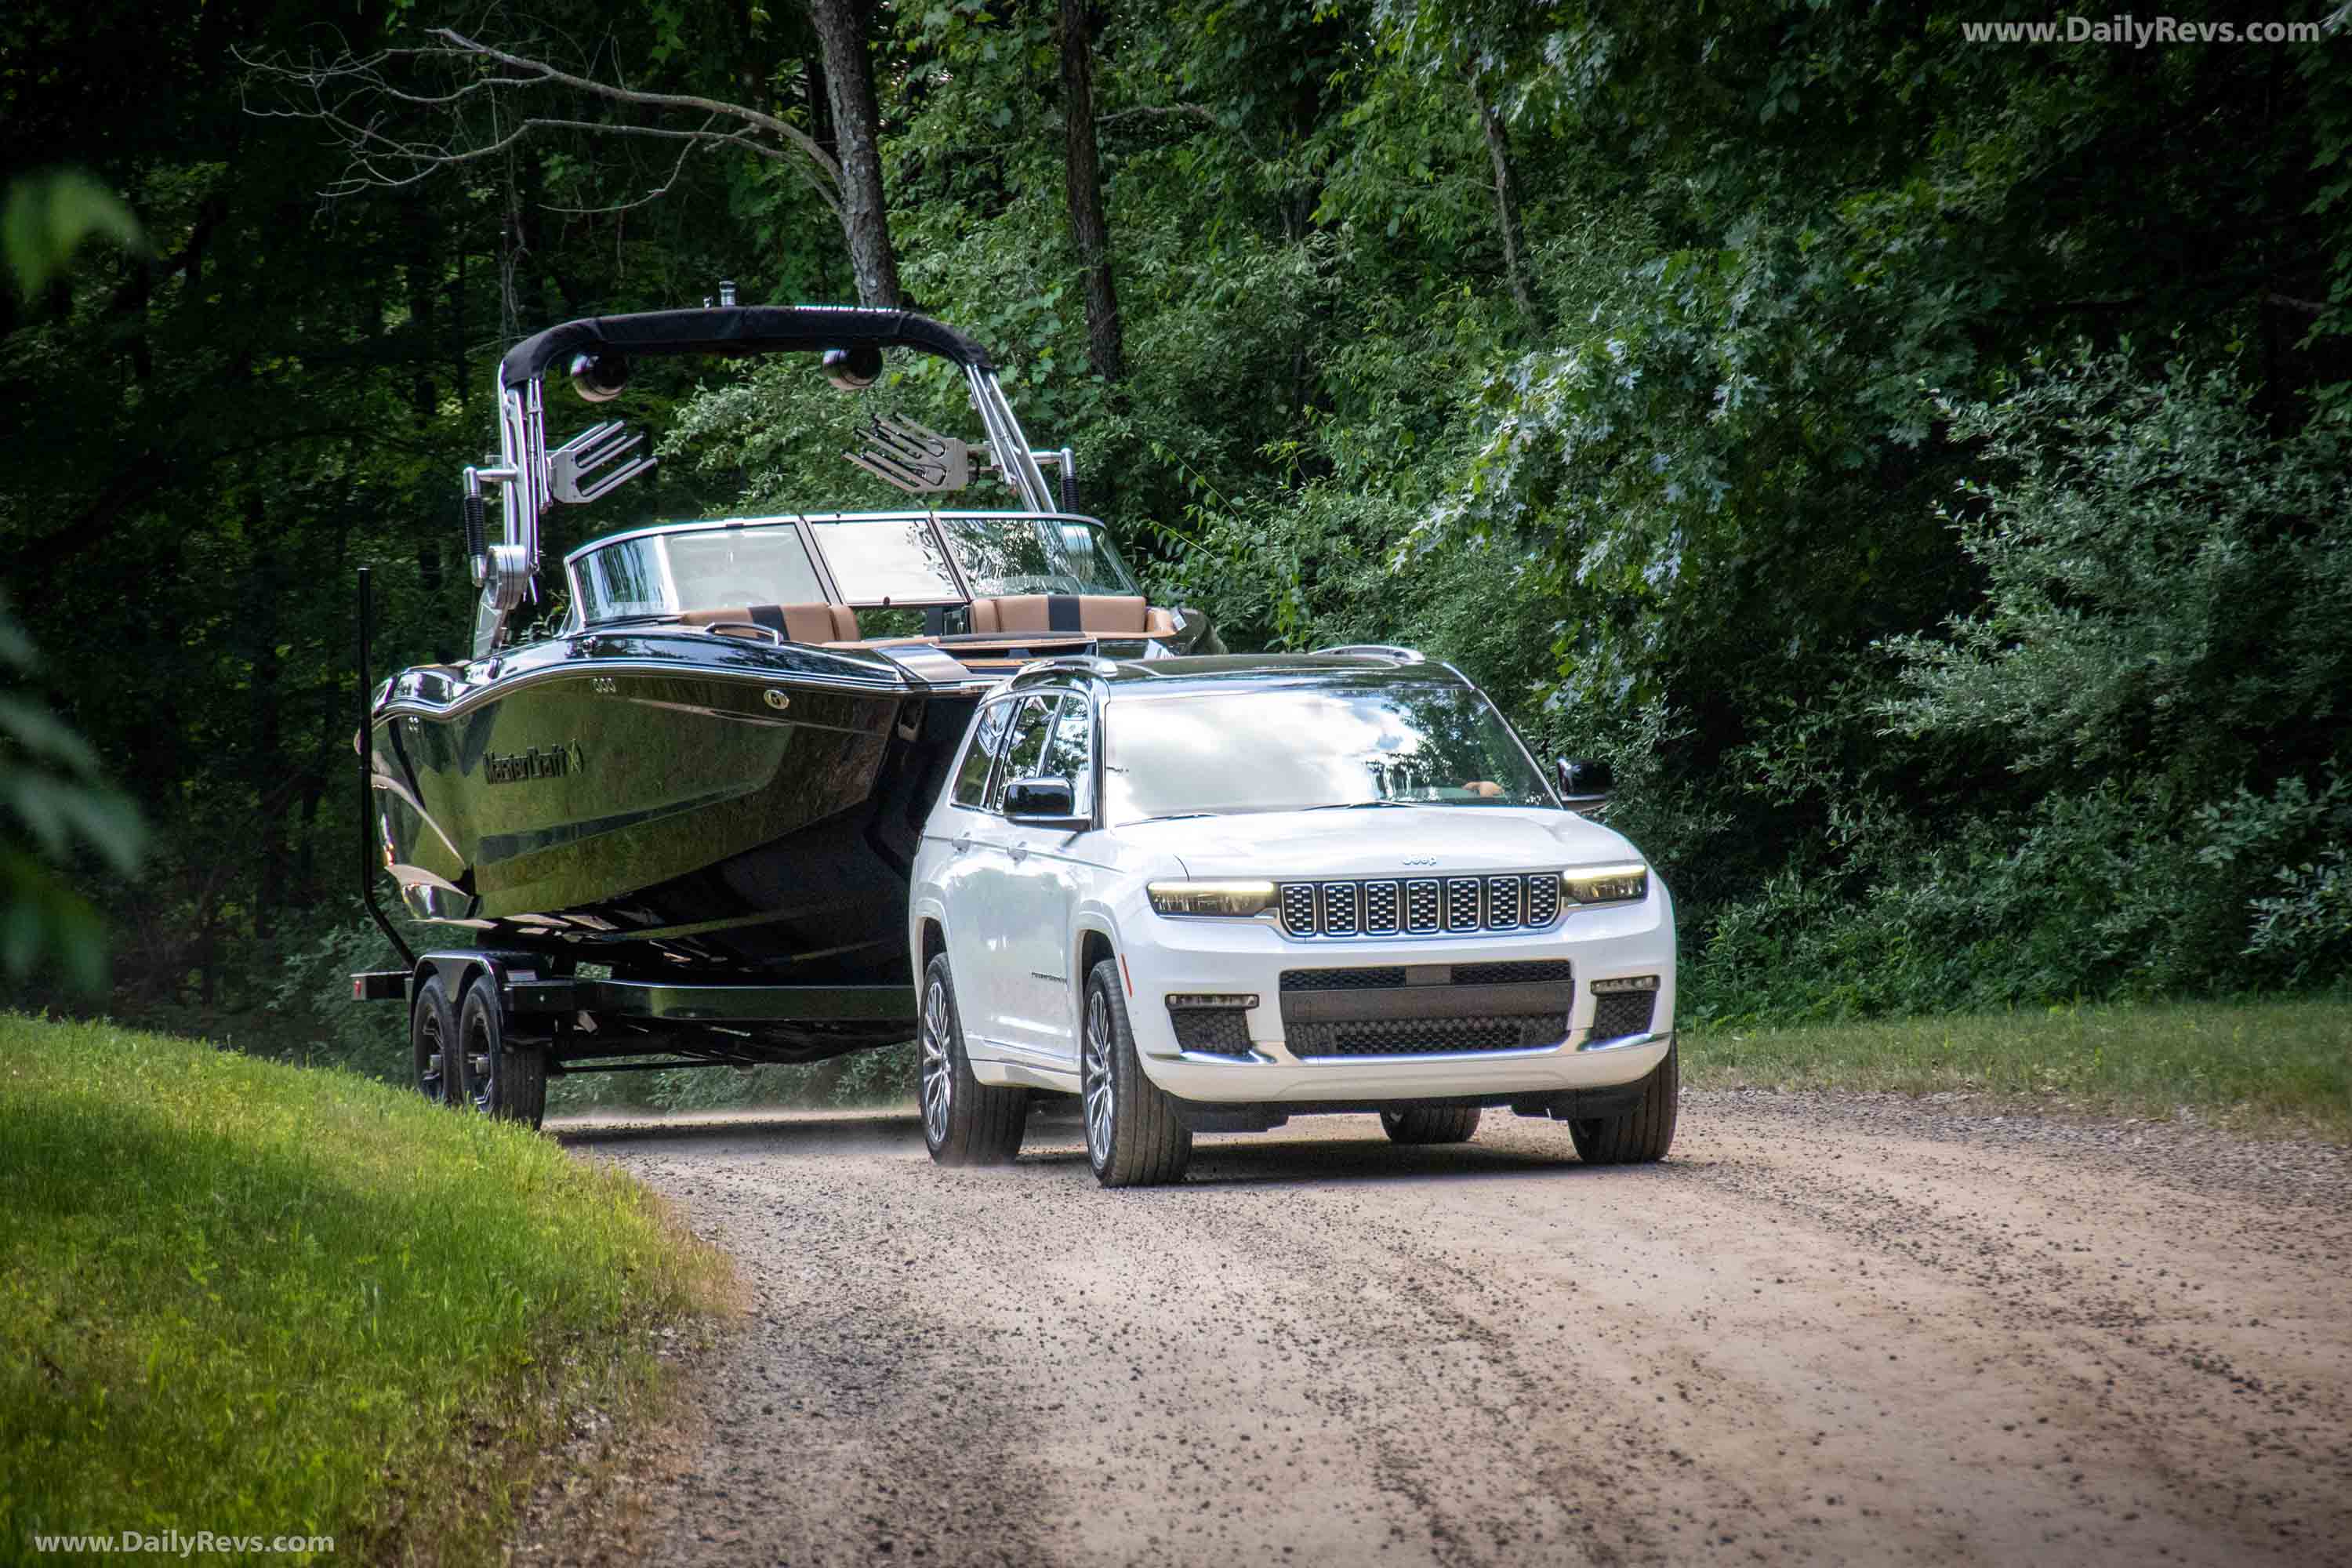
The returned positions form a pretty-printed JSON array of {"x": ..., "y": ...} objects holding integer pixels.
[
  {"x": 2280, "y": 1065},
  {"x": 256, "y": 1299}
]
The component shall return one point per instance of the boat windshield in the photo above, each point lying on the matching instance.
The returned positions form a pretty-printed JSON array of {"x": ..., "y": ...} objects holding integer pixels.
[
  {"x": 1360, "y": 742},
  {"x": 892, "y": 559}
]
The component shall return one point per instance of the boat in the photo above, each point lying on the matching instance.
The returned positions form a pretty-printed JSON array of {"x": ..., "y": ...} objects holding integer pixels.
[{"x": 707, "y": 781}]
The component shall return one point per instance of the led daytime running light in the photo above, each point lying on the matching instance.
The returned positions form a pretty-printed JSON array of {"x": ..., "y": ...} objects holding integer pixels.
[
  {"x": 1627, "y": 883},
  {"x": 1228, "y": 901}
]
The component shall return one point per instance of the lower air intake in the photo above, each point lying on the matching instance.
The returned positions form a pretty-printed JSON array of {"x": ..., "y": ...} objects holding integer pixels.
[
  {"x": 1423, "y": 1036},
  {"x": 1219, "y": 1031},
  {"x": 1618, "y": 1013}
]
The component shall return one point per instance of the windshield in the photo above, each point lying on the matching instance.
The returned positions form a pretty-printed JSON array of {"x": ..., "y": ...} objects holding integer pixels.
[
  {"x": 1294, "y": 748},
  {"x": 708, "y": 569},
  {"x": 1037, "y": 556},
  {"x": 898, "y": 559},
  {"x": 886, "y": 560}
]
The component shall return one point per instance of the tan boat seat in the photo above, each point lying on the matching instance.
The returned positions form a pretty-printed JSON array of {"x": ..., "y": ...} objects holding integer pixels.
[
  {"x": 793, "y": 622},
  {"x": 1103, "y": 615}
]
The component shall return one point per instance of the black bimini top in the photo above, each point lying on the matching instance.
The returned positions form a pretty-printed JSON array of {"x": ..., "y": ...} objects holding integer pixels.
[{"x": 736, "y": 329}]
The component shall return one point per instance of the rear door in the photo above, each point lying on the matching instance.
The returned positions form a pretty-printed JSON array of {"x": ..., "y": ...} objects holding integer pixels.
[{"x": 970, "y": 837}]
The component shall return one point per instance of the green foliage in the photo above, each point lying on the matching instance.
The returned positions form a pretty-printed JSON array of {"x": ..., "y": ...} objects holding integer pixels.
[
  {"x": 54, "y": 807},
  {"x": 2164, "y": 585},
  {"x": 2282, "y": 1067},
  {"x": 274, "y": 1302},
  {"x": 46, "y": 217}
]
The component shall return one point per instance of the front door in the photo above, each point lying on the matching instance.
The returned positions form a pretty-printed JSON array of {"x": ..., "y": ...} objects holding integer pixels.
[{"x": 1045, "y": 879}]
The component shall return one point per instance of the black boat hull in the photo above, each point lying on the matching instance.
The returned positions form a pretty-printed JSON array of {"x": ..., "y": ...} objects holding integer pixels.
[{"x": 674, "y": 806}]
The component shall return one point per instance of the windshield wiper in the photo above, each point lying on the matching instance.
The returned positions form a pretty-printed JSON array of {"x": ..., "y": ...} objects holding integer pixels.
[
  {"x": 1175, "y": 816},
  {"x": 1363, "y": 805}
]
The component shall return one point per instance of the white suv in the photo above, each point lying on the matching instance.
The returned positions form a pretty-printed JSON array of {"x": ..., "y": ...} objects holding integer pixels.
[{"x": 1209, "y": 894}]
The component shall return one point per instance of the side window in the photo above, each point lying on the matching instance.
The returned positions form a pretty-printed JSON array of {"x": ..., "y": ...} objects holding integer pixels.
[
  {"x": 1027, "y": 747},
  {"x": 972, "y": 778},
  {"x": 1070, "y": 753}
]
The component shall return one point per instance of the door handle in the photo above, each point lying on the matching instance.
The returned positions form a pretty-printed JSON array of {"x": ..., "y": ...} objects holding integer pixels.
[
  {"x": 963, "y": 842},
  {"x": 1019, "y": 852}
]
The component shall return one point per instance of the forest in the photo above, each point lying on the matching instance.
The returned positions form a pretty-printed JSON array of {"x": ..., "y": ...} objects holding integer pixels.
[{"x": 1916, "y": 459}]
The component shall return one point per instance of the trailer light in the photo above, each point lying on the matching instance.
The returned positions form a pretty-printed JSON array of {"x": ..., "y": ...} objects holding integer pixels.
[
  {"x": 1213, "y": 998},
  {"x": 1622, "y": 884},
  {"x": 1625, "y": 982},
  {"x": 1233, "y": 901}
]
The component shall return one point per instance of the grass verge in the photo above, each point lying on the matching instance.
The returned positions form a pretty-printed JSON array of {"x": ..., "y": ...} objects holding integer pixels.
[
  {"x": 259, "y": 1301},
  {"x": 2282, "y": 1066}
]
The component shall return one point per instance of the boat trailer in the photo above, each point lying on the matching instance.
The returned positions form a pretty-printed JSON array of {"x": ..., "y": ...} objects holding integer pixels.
[{"x": 505, "y": 1022}]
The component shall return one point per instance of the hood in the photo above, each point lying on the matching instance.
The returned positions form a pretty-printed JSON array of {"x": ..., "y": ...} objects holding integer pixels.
[{"x": 1413, "y": 840}]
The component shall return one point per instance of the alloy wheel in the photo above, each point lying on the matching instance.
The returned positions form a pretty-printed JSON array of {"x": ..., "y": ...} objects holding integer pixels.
[
  {"x": 938, "y": 1065},
  {"x": 1095, "y": 1077}
]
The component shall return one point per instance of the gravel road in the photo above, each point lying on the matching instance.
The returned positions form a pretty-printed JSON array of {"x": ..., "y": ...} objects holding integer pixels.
[{"x": 1834, "y": 1329}]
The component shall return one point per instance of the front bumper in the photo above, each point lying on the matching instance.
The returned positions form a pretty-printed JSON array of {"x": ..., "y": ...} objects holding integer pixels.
[{"x": 1187, "y": 956}]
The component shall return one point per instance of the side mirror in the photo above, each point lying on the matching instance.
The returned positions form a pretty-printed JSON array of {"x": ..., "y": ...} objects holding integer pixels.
[
  {"x": 1044, "y": 803},
  {"x": 1584, "y": 784}
]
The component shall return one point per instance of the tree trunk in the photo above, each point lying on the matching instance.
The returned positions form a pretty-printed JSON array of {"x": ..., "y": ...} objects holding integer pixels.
[
  {"x": 1507, "y": 205},
  {"x": 1106, "y": 350},
  {"x": 849, "y": 84}
]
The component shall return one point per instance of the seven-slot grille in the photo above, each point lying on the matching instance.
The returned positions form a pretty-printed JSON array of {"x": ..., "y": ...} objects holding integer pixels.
[{"x": 1421, "y": 906}]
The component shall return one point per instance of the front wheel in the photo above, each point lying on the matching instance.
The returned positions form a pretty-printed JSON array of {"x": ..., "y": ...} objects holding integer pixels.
[
  {"x": 495, "y": 1075},
  {"x": 1643, "y": 1134},
  {"x": 1133, "y": 1138},
  {"x": 965, "y": 1122},
  {"x": 1431, "y": 1124}
]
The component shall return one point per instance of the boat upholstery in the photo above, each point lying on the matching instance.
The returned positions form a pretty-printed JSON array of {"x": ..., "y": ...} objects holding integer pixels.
[
  {"x": 793, "y": 622},
  {"x": 1103, "y": 613}
]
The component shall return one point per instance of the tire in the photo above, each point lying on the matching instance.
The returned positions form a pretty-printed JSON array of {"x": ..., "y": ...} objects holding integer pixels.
[
  {"x": 1431, "y": 1124},
  {"x": 1133, "y": 1138},
  {"x": 965, "y": 1122},
  {"x": 1642, "y": 1134},
  {"x": 433, "y": 1042},
  {"x": 497, "y": 1076}
]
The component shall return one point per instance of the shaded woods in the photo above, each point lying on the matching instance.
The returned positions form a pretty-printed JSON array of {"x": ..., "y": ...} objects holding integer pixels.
[{"x": 1918, "y": 463}]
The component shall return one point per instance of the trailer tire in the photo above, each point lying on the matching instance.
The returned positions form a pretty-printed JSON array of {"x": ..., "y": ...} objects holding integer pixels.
[
  {"x": 496, "y": 1075},
  {"x": 433, "y": 1042}
]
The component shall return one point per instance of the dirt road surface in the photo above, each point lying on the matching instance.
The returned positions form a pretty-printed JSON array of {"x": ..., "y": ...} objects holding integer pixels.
[{"x": 1860, "y": 1330}]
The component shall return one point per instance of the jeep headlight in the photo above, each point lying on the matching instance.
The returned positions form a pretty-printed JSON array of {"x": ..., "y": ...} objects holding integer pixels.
[
  {"x": 1234, "y": 901},
  {"x": 1625, "y": 883}
]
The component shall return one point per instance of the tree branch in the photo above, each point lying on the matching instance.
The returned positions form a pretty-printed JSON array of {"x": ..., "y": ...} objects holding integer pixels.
[
  {"x": 1160, "y": 112},
  {"x": 801, "y": 140}
]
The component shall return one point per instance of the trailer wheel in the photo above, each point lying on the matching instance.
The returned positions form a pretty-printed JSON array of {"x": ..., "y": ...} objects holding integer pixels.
[
  {"x": 498, "y": 1076},
  {"x": 433, "y": 1041}
]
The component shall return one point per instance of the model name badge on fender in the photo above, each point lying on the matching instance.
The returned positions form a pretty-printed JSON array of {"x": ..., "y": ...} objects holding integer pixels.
[{"x": 539, "y": 763}]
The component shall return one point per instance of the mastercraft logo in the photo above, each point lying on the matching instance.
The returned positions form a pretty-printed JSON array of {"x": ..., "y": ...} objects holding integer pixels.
[
  {"x": 179, "y": 1543},
  {"x": 2146, "y": 32}
]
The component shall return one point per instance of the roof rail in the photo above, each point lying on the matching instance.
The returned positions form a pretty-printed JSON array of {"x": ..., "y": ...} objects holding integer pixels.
[{"x": 1391, "y": 651}]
